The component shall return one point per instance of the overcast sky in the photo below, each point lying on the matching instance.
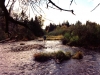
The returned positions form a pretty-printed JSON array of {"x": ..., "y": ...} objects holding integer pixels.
[{"x": 82, "y": 9}]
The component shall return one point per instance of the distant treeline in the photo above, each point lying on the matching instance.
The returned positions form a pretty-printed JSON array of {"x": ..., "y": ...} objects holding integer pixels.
[{"x": 77, "y": 34}]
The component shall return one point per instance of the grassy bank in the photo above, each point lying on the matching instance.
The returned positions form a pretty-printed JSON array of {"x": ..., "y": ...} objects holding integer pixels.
[{"x": 52, "y": 37}]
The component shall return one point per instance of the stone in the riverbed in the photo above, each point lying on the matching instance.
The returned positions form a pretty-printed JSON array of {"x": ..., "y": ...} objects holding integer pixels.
[
  {"x": 27, "y": 47},
  {"x": 22, "y": 43},
  {"x": 57, "y": 61}
]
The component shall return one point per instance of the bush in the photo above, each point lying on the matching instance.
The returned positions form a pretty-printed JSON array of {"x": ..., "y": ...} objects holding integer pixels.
[
  {"x": 41, "y": 57},
  {"x": 78, "y": 55},
  {"x": 83, "y": 35},
  {"x": 68, "y": 55},
  {"x": 58, "y": 31},
  {"x": 58, "y": 56},
  {"x": 74, "y": 40},
  {"x": 67, "y": 36}
]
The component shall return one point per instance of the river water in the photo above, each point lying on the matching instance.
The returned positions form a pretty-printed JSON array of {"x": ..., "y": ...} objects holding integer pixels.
[{"x": 22, "y": 63}]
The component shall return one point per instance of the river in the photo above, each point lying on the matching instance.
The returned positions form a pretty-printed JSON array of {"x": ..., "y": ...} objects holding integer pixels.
[{"x": 22, "y": 62}]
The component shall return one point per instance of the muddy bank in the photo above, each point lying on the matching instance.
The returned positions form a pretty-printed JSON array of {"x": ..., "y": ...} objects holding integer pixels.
[{"x": 22, "y": 62}]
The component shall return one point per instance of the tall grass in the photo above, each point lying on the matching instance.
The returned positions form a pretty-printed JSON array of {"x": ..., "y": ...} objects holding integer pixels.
[
  {"x": 59, "y": 56},
  {"x": 42, "y": 57},
  {"x": 58, "y": 37}
]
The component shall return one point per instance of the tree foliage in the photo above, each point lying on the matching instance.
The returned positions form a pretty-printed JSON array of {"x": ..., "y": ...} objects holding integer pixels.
[{"x": 83, "y": 35}]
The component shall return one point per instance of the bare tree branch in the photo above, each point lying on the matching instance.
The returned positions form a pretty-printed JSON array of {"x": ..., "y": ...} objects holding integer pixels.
[
  {"x": 40, "y": 8},
  {"x": 95, "y": 7},
  {"x": 71, "y": 2},
  {"x": 7, "y": 3},
  {"x": 61, "y": 8},
  {"x": 75, "y": 2},
  {"x": 9, "y": 18},
  {"x": 11, "y": 6}
]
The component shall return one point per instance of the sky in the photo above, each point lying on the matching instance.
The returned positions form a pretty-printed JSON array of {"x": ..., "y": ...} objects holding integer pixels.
[{"x": 82, "y": 10}]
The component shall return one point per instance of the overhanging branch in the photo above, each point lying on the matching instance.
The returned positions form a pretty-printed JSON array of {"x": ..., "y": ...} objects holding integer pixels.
[
  {"x": 50, "y": 1},
  {"x": 9, "y": 18},
  {"x": 95, "y": 7}
]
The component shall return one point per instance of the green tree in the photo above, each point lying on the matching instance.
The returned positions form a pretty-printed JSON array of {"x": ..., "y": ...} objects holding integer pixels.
[
  {"x": 78, "y": 23},
  {"x": 35, "y": 26}
]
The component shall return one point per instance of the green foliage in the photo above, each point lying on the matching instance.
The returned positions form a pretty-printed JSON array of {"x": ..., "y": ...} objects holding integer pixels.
[
  {"x": 19, "y": 32},
  {"x": 36, "y": 27},
  {"x": 66, "y": 23},
  {"x": 68, "y": 55},
  {"x": 60, "y": 55},
  {"x": 41, "y": 57},
  {"x": 67, "y": 36},
  {"x": 70, "y": 38},
  {"x": 78, "y": 23},
  {"x": 83, "y": 35},
  {"x": 74, "y": 39},
  {"x": 24, "y": 34},
  {"x": 58, "y": 31}
]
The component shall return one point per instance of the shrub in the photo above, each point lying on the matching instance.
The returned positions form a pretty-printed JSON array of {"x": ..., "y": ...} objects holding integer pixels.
[
  {"x": 58, "y": 56},
  {"x": 83, "y": 35},
  {"x": 67, "y": 36},
  {"x": 68, "y": 55},
  {"x": 41, "y": 57},
  {"x": 58, "y": 31},
  {"x": 78, "y": 55},
  {"x": 74, "y": 40}
]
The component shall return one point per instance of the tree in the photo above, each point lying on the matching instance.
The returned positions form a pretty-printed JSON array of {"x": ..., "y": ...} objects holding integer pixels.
[
  {"x": 78, "y": 23},
  {"x": 66, "y": 23},
  {"x": 26, "y": 3},
  {"x": 35, "y": 26}
]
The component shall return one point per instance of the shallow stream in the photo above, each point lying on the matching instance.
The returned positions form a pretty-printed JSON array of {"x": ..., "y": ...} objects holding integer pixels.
[{"x": 22, "y": 62}]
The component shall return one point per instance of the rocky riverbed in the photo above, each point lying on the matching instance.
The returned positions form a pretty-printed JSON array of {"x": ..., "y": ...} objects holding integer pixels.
[{"x": 16, "y": 58}]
